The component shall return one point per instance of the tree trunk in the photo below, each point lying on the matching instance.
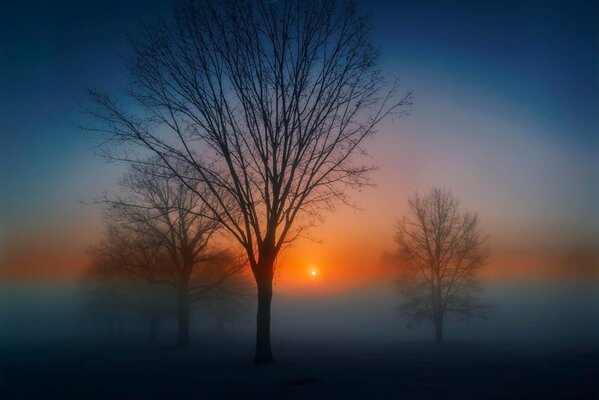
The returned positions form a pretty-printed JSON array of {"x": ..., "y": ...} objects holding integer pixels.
[
  {"x": 182, "y": 318},
  {"x": 153, "y": 326},
  {"x": 220, "y": 326},
  {"x": 263, "y": 353},
  {"x": 153, "y": 318},
  {"x": 439, "y": 329}
]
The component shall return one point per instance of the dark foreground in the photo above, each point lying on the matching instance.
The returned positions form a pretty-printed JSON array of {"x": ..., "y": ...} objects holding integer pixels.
[{"x": 306, "y": 370}]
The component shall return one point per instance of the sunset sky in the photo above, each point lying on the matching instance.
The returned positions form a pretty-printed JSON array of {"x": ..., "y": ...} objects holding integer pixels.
[{"x": 505, "y": 114}]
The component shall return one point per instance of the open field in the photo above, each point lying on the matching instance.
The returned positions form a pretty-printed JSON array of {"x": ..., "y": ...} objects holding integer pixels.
[{"x": 314, "y": 370}]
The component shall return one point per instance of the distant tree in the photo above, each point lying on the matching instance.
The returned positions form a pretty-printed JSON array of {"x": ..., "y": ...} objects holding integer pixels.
[
  {"x": 231, "y": 302},
  {"x": 442, "y": 251},
  {"x": 115, "y": 295},
  {"x": 165, "y": 239},
  {"x": 268, "y": 102}
]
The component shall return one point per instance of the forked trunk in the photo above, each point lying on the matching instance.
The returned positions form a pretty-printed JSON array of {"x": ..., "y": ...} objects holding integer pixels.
[{"x": 182, "y": 318}]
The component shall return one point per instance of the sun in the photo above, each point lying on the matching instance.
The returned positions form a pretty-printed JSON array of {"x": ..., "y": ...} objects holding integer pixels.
[{"x": 313, "y": 273}]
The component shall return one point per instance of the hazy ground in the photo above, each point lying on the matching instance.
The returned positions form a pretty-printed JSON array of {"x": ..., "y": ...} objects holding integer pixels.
[
  {"x": 303, "y": 370},
  {"x": 539, "y": 343}
]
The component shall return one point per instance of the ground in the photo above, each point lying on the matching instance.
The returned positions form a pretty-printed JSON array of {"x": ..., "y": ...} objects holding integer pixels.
[{"x": 310, "y": 370}]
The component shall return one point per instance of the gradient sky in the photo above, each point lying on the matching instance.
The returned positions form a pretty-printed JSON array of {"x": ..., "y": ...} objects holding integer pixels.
[{"x": 505, "y": 114}]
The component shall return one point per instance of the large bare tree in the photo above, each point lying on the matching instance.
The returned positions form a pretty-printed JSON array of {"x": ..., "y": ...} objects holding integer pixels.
[
  {"x": 442, "y": 251},
  {"x": 165, "y": 238},
  {"x": 268, "y": 102}
]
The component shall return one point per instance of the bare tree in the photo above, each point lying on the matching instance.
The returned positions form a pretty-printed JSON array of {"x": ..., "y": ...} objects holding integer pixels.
[
  {"x": 443, "y": 251},
  {"x": 268, "y": 103},
  {"x": 167, "y": 238},
  {"x": 113, "y": 293},
  {"x": 231, "y": 302},
  {"x": 103, "y": 283}
]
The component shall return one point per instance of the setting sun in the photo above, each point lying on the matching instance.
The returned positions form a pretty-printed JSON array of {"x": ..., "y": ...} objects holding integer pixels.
[{"x": 302, "y": 198}]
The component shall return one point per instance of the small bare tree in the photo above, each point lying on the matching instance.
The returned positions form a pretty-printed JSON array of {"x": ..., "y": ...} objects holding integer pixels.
[
  {"x": 231, "y": 302},
  {"x": 442, "y": 252},
  {"x": 113, "y": 291},
  {"x": 167, "y": 237},
  {"x": 268, "y": 103}
]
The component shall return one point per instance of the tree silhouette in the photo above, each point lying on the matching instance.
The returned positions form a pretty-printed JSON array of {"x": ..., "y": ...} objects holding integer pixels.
[
  {"x": 158, "y": 233},
  {"x": 231, "y": 301},
  {"x": 268, "y": 103},
  {"x": 442, "y": 252},
  {"x": 113, "y": 294}
]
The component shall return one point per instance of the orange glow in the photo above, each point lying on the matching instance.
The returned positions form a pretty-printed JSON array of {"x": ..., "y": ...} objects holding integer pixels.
[
  {"x": 313, "y": 270},
  {"x": 45, "y": 252},
  {"x": 348, "y": 251}
]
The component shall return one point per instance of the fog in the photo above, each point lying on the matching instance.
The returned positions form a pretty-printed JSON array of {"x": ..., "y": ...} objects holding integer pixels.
[{"x": 530, "y": 315}]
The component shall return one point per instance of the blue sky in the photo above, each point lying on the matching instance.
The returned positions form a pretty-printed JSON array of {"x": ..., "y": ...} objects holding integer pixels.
[{"x": 505, "y": 112}]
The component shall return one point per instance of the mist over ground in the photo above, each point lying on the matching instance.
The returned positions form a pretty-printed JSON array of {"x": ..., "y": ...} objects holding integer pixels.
[
  {"x": 487, "y": 109},
  {"x": 524, "y": 314},
  {"x": 540, "y": 341}
]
